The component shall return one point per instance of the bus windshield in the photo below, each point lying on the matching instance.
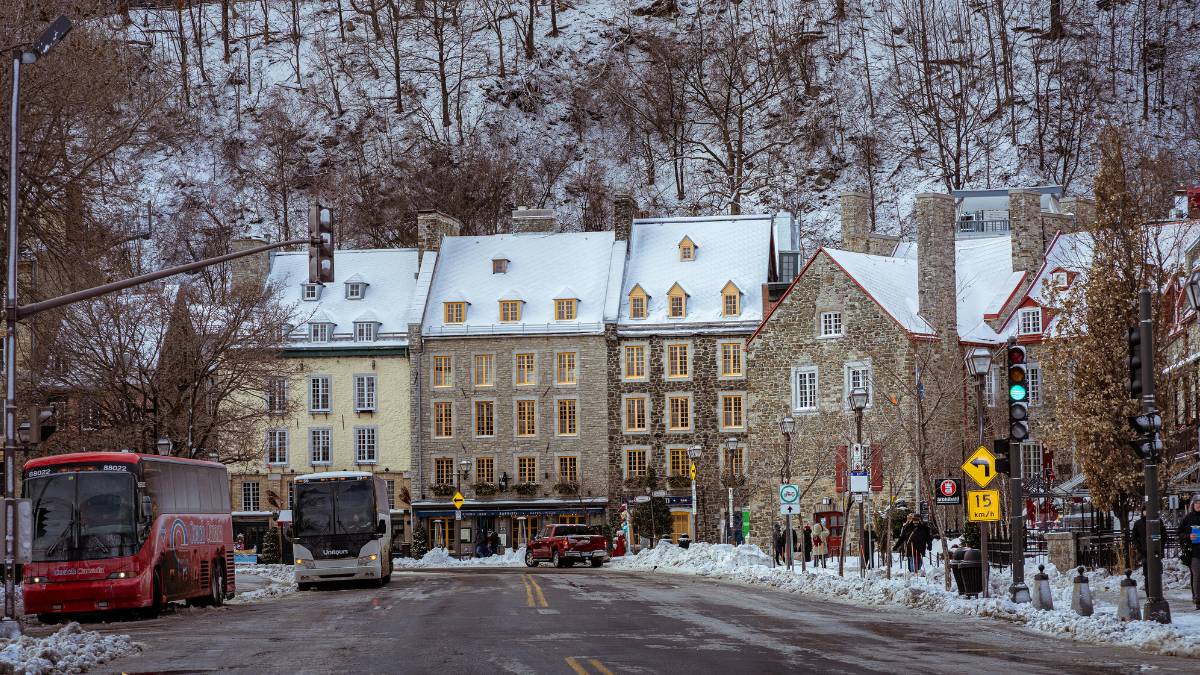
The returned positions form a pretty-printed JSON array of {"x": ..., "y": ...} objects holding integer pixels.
[
  {"x": 323, "y": 509},
  {"x": 83, "y": 516}
]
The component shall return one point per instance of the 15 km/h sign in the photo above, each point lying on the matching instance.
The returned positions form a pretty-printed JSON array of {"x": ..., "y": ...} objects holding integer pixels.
[
  {"x": 983, "y": 505},
  {"x": 981, "y": 466}
]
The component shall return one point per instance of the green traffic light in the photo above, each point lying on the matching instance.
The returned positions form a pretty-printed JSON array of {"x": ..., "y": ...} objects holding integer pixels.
[{"x": 1017, "y": 392}]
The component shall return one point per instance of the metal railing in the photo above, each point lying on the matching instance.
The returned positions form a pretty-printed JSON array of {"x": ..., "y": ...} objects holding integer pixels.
[
  {"x": 967, "y": 226},
  {"x": 514, "y": 329}
]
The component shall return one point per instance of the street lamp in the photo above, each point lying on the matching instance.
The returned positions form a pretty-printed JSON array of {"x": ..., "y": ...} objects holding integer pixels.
[
  {"x": 694, "y": 454},
  {"x": 858, "y": 401},
  {"x": 163, "y": 446},
  {"x": 1193, "y": 290},
  {"x": 979, "y": 362},
  {"x": 731, "y": 446},
  {"x": 786, "y": 426}
]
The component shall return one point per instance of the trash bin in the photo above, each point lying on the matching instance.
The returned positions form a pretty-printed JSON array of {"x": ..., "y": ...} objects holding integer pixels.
[
  {"x": 955, "y": 567},
  {"x": 970, "y": 573},
  {"x": 684, "y": 541}
]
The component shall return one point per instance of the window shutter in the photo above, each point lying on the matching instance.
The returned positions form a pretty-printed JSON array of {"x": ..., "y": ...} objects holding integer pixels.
[
  {"x": 840, "y": 480},
  {"x": 876, "y": 467}
]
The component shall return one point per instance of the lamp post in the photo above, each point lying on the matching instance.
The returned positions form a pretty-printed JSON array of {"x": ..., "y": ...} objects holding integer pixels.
[
  {"x": 731, "y": 446},
  {"x": 164, "y": 446},
  {"x": 978, "y": 362},
  {"x": 694, "y": 454},
  {"x": 786, "y": 426},
  {"x": 57, "y": 30},
  {"x": 464, "y": 470},
  {"x": 859, "y": 398}
]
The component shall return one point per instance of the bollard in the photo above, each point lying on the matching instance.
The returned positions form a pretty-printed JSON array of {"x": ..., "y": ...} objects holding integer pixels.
[
  {"x": 1128, "y": 608},
  {"x": 1043, "y": 595},
  {"x": 1081, "y": 595}
]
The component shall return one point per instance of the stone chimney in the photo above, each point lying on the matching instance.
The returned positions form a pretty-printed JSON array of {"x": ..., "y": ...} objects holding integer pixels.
[
  {"x": 856, "y": 221},
  {"x": 534, "y": 220},
  {"x": 252, "y": 269},
  {"x": 1083, "y": 209},
  {"x": 1025, "y": 226},
  {"x": 625, "y": 209},
  {"x": 432, "y": 225},
  {"x": 936, "y": 280}
]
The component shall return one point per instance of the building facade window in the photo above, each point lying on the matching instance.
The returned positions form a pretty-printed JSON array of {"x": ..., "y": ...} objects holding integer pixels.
[
  {"x": 364, "y": 331},
  {"x": 455, "y": 312},
  {"x": 364, "y": 393},
  {"x": 676, "y": 306},
  {"x": 485, "y": 372},
  {"x": 276, "y": 394},
  {"x": 318, "y": 332},
  {"x": 735, "y": 461},
  {"x": 731, "y": 300},
  {"x": 485, "y": 469},
  {"x": 366, "y": 445},
  {"x": 527, "y": 469},
  {"x": 390, "y": 486},
  {"x": 1031, "y": 321},
  {"x": 687, "y": 251},
  {"x": 318, "y": 394},
  {"x": 566, "y": 368},
  {"x": 526, "y": 418},
  {"x": 731, "y": 359},
  {"x": 249, "y": 496},
  {"x": 804, "y": 389},
  {"x": 680, "y": 464},
  {"x": 510, "y": 310},
  {"x": 858, "y": 376},
  {"x": 499, "y": 266},
  {"x": 320, "y": 445},
  {"x": 277, "y": 447},
  {"x": 568, "y": 469},
  {"x": 443, "y": 420},
  {"x": 831, "y": 324},
  {"x": 637, "y": 303},
  {"x": 443, "y": 371},
  {"x": 731, "y": 411},
  {"x": 1035, "y": 383},
  {"x": 485, "y": 419},
  {"x": 635, "y": 414},
  {"x": 526, "y": 374},
  {"x": 312, "y": 292},
  {"x": 564, "y": 310},
  {"x": 680, "y": 412},
  {"x": 635, "y": 463},
  {"x": 677, "y": 361},
  {"x": 443, "y": 471},
  {"x": 567, "y": 417},
  {"x": 1031, "y": 460},
  {"x": 635, "y": 362},
  {"x": 354, "y": 291}
]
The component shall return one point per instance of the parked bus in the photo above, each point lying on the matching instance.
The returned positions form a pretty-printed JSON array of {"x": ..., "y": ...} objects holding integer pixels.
[
  {"x": 342, "y": 529},
  {"x": 122, "y": 530}
]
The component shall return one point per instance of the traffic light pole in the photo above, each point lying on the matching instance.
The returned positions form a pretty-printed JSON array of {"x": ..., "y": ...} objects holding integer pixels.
[
  {"x": 1018, "y": 591},
  {"x": 1157, "y": 608}
]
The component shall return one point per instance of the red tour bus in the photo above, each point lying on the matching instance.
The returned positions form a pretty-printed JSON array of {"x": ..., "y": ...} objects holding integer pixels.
[{"x": 122, "y": 530}]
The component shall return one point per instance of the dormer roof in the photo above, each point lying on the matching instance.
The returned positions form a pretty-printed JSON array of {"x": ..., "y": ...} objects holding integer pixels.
[
  {"x": 730, "y": 285},
  {"x": 513, "y": 294},
  {"x": 566, "y": 293},
  {"x": 356, "y": 279},
  {"x": 638, "y": 290},
  {"x": 367, "y": 317}
]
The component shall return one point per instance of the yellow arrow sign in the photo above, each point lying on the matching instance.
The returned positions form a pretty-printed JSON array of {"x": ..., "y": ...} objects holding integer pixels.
[
  {"x": 458, "y": 500},
  {"x": 983, "y": 505},
  {"x": 693, "y": 471},
  {"x": 981, "y": 466}
]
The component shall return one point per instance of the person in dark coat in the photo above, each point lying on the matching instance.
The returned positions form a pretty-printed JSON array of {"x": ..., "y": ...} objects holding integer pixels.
[
  {"x": 494, "y": 542},
  {"x": 779, "y": 543},
  {"x": 915, "y": 539},
  {"x": 807, "y": 544},
  {"x": 1189, "y": 544},
  {"x": 1139, "y": 538}
]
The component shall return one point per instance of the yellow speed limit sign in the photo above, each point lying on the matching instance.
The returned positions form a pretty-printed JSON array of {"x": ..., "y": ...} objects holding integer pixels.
[{"x": 983, "y": 505}]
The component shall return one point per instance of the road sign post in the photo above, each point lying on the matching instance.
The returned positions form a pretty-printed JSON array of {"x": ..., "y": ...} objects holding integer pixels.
[
  {"x": 981, "y": 467},
  {"x": 789, "y": 505}
]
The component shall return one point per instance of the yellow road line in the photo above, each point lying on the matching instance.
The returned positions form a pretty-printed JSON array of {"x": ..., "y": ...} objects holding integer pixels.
[
  {"x": 541, "y": 598},
  {"x": 576, "y": 667},
  {"x": 600, "y": 667},
  {"x": 528, "y": 592}
]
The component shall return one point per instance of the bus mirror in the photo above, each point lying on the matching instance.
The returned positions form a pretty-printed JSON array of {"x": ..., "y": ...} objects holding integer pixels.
[
  {"x": 381, "y": 527},
  {"x": 147, "y": 507}
]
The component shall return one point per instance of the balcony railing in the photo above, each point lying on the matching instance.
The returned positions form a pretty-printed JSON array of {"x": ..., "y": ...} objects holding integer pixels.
[{"x": 979, "y": 226}]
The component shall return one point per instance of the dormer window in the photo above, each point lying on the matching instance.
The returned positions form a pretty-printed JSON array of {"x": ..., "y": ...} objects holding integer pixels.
[
  {"x": 637, "y": 303},
  {"x": 311, "y": 291},
  {"x": 676, "y": 302},
  {"x": 364, "y": 331},
  {"x": 499, "y": 266},
  {"x": 354, "y": 291},
  {"x": 318, "y": 332},
  {"x": 1060, "y": 280},
  {"x": 731, "y": 300},
  {"x": 564, "y": 309},
  {"x": 456, "y": 312},
  {"x": 1030, "y": 321},
  {"x": 687, "y": 250},
  {"x": 510, "y": 311}
]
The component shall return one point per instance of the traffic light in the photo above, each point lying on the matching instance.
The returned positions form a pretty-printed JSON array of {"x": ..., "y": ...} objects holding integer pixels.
[
  {"x": 320, "y": 247},
  {"x": 1148, "y": 444},
  {"x": 40, "y": 425},
  {"x": 1001, "y": 448},
  {"x": 1018, "y": 394},
  {"x": 1134, "y": 363}
]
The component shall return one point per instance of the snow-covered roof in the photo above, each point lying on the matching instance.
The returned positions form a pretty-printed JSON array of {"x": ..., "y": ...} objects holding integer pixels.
[
  {"x": 391, "y": 274},
  {"x": 541, "y": 264},
  {"x": 982, "y": 267},
  {"x": 892, "y": 282},
  {"x": 728, "y": 248}
]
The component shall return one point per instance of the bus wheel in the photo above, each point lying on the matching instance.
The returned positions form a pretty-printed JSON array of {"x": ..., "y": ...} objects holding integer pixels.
[
  {"x": 156, "y": 604},
  {"x": 217, "y": 590},
  {"x": 304, "y": 587},
  {"x": 47, "y": 618}
]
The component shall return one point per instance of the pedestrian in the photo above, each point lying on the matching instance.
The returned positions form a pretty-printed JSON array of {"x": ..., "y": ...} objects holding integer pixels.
[
  {"x": 869, "y": 548},
  {"x": 778, "y": 541},
  {"x": 820, "y": 534},
  {"x": 915, "y": 540},
  {"x": 808, "y": 543},
  {"x": 481, "y": 544},
  {"x": 1139, "y": 539},
  {"x": 494, "y": 543},
  {"x": 1189, "y": 535}
]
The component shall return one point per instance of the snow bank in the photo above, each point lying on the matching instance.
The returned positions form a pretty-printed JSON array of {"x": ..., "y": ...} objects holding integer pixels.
[
  {"x": 70, "y": 650},
  {"x": 924, "y": 590},
  {"x": 440, "y": 557},
  {"x": 281, "y": 578}
]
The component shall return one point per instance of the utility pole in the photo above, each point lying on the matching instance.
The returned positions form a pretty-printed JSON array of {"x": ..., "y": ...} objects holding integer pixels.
[{"x": 787, "y": 425}]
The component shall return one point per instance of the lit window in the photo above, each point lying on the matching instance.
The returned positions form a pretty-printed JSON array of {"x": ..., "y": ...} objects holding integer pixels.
[
  {"x": 354, "y": 291},
  {"x": 568, "y": 469},
  {"x": 443, "y": 420},
  {"x": 527, "y": 469},
  {"x": 455, "y": 311},
  {"x": 364, "y": 393},
  {"x": 319, "y": 443},
  {"x": 364, "y": 331},
  {"x": 681, "y": 413},
  {"x": 680, "y": 464},
  {"x": 510, "y": 310},
  {"x": 366, "y": 450},
  {"x": 525, "y": 372},
  {"x": 635, "y": 463},
  {"x": 635, "y": 362},
  {"x": 443, "y": 471},
  {"x": 731, "y": 412},
  {"x": 499, "y": 266},
  {"x": 731, "y": 359},
  {"x": 318, "y": 393},
  {"x": 526, "y": 418},
  {"x": 1031, "y": 321},
  {"x": 311, "y": 291},
  {"x": 567, "y": 423},
  {"x": 277, "y": 447},
  {"x": 831, "y": 324},
  {"x": 635, "y": 414},
  {"x": 250, "y": 496},
  {"x": 485, "y": 413},
  {"x": 485, "y": 470},
  {"x": 566, "y": 368},
  {"x": 731, "y": 300},
  {"x": 318, "y": 332},
  {"x": 484, "y": 372},
  {"x": 443, "y": 371},
  {"x": 677, "y": 360},
  {"x": 564, "y": 310}
]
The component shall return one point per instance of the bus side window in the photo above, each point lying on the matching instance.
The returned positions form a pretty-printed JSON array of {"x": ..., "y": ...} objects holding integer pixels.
[
  {"x": 158, "y": 484},
  {"x": 204, "y": 489},
  {"x": 190, "y": 499}
]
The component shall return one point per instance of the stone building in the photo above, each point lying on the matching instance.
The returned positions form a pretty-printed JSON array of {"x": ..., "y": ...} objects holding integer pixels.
[
  {"x": 692, "y": 293},
  {"x": 511, "y": 377},
  {"x": 348, "y": 409}
]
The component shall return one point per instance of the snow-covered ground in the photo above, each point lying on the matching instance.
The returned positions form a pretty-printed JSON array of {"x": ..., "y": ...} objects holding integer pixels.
[
  {"x": 279, "y": 578},
  {"x": 926, "y": 591},
  {"x": 440, "y": 557},
  {"x": 70, "y": 650}
]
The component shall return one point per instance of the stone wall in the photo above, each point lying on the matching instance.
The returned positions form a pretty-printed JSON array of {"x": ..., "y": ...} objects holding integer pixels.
[
  {"x": 856, "y": 221},
  {"x": 624, "y": 211},
  {"x": 431, "y": 227},
  {"x": 534, "y": 220},
  {"x": 252, "y": 269},
  {"x": 1025, "y": 224}
]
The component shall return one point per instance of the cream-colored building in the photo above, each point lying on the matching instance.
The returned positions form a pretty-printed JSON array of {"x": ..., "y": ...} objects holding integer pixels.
[{"x": 346, "y": 407}]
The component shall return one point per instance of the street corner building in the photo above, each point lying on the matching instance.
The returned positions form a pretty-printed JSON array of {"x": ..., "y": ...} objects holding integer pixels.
[
  {"x": 895, "y": 316},
  {"x": 693, "y": 291},
  {"x": 510, "y": 383},
  {"x": 345, "y": 407}
]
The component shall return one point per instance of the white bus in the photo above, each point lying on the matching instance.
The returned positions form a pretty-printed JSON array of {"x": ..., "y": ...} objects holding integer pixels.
[{"x": 342, "y": 528}]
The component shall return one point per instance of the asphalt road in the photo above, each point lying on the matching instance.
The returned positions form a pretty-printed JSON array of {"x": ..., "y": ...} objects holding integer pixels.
[{"x": 594, "y": 622}]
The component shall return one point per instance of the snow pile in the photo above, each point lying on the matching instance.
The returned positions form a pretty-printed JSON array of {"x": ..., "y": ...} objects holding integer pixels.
[
  {"x": 440, "y": 557},
  {"x": 70, "y": 650},
  {"x": 283, "y": 574},
  {"x": 925, "y": 591},
  {"x": 281, "y": 578}
]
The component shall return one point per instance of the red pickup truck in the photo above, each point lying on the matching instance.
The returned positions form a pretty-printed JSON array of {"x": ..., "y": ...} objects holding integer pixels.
[{"x": 564, "y": 545}]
